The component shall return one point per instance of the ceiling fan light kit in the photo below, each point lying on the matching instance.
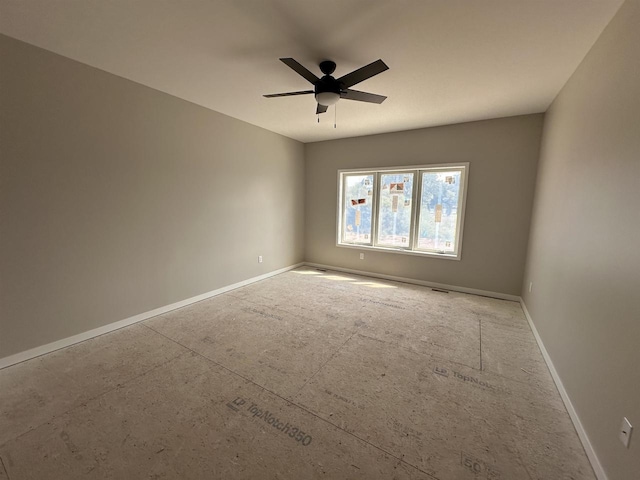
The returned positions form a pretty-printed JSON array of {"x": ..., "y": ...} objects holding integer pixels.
[
  {"x": 328, "y": 90},
  {"x": 327, "y": 98}
]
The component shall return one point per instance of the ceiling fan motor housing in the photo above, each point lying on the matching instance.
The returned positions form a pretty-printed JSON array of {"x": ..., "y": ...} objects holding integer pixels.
[
  {"x": 327, "y": 84},
  {"x": 327, "y": 67},
  {"x": 328, "y": 90}
]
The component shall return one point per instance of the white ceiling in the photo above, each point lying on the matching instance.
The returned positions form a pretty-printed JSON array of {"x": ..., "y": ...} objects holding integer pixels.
[{"x": 450, "y": 61}]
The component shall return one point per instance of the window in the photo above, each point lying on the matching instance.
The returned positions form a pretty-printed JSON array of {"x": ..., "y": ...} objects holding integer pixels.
[
  {"x": 417, "y": 210},
  {"x": 358, "y": 210}
]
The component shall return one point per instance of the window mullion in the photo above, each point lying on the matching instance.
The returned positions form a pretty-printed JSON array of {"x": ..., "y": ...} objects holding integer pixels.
[
  {"x": 415, "y": 214},
  {"x": 374, "y": 214},
  {"x": 343, "y": 208},
  {"x": 460, "y": 209}
]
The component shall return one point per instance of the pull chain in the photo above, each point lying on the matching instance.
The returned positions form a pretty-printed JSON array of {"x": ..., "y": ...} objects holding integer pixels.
[
  {"x": 318, "y": 118},
  {"x": 335, "y": 115}
]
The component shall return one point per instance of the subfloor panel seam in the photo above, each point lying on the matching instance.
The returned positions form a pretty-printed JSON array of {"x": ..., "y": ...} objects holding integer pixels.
[
  {"x": 437, "y": 357},
  {"x": 256, "y": 302},
  {"x": 480, "y": 335},
  {"x": 301, "y": 407},
  {"x": 425, "y": 354},
  {"x": 324, "y": 364},
  {"x": 90, "y": 399},
  {"x": 4, "y": 468}
]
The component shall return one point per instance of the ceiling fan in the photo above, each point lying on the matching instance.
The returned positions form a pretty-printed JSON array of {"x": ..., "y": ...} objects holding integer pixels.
[{"x": 329, "y": 90}]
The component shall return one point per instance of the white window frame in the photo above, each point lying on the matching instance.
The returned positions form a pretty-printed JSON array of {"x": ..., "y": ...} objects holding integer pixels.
[{"x": 411, "y": 248}]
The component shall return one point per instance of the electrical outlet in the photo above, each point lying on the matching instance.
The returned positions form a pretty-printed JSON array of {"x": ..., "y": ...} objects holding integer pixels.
[
  {"x": 625, "y": 432},
  {"x": 530, "y": 286},
  {"x": 362, "y": 256},
  {"x": 259, "y": 258}
]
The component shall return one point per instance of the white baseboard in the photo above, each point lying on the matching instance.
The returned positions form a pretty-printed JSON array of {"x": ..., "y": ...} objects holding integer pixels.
[
  {"x": 454, "y": 288},
  {"x": 65, "y": 342},
  {"x": 582, "y": 434}
]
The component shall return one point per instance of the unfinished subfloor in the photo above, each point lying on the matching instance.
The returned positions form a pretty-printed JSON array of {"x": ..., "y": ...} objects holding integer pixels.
[{"x": 308, "y": 374}]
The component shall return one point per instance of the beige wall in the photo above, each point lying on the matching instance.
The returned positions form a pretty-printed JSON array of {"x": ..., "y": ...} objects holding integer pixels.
[
  {"x": 584, "y": 259},
  {"x": 503, "y": 155},
  {"x": 117, "y": 199}
]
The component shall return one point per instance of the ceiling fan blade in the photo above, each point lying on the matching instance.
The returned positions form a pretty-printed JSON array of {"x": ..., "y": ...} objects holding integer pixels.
[
  {"x": 288, "y": 94},
  {"x": 362, "y": 96},
  {"x": 363, "y": 73},
  {"x": 321, "y": 109},
  {"x": 291, "y": 63}
]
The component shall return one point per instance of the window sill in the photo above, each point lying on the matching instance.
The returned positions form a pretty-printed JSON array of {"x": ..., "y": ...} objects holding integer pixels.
[{"x": 401, "y": 251}]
